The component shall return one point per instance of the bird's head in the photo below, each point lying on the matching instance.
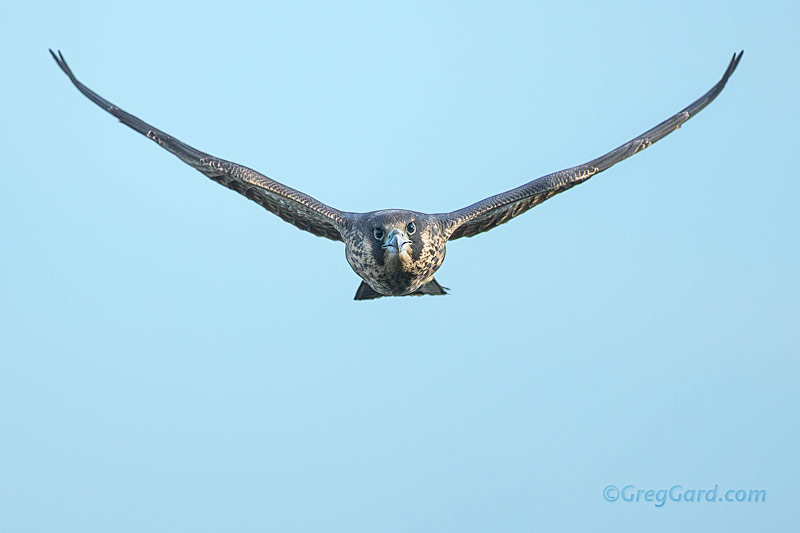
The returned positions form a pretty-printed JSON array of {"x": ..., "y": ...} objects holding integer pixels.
[{"x": 395, "y": 251}]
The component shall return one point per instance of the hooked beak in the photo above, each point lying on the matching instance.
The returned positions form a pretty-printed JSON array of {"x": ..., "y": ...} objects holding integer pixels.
[{"x": 395, "y": 241}]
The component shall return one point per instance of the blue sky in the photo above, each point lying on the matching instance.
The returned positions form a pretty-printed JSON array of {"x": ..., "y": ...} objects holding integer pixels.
[{"x": 175, "y": 358}]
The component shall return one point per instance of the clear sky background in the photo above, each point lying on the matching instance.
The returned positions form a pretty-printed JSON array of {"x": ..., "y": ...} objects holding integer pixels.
[{"x": 175, "y": 358}]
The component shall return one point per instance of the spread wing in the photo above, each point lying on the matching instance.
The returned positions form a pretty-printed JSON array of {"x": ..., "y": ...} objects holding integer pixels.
[
  {"x": 501, "y": 208},
  {"x": 292, "y": 206}
]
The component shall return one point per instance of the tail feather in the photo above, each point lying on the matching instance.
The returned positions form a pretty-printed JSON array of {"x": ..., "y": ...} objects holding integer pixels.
[{"x": 365, "y": 292}]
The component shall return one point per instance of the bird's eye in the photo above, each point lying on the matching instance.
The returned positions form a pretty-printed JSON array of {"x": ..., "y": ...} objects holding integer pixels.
[
  {"x": 377, "y": 233},
  {"x": 411, "y": 228}
]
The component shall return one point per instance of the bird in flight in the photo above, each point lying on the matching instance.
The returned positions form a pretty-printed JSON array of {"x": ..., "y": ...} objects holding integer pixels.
[{"x": 395, "y": 251}]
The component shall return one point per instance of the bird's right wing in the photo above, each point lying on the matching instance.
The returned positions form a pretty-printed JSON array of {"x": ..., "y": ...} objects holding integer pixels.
[
  {"x": 291, "y": 205},
  {"x": 499, "y": 209}
]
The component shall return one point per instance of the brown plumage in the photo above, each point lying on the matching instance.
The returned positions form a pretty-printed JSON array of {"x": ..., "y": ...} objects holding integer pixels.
[{"x": 396, "y": 252}]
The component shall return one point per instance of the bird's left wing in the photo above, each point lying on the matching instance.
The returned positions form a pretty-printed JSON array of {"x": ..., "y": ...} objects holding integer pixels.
[
  {"x": 291, "y": 205},
  {"x": 501, "y": 208}
]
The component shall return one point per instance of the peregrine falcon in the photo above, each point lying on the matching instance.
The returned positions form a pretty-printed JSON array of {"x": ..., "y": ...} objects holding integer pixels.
[{"x": 395, "y": 251}]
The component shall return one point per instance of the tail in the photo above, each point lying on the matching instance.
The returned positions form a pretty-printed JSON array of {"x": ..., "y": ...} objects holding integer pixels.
[{"x": 365, "y": 292}]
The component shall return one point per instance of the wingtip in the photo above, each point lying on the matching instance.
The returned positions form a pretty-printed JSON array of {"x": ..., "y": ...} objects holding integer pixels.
[
  {"x": 62, "y": 63},
  {"x": 737, "y": 57},
  {"x": 59, "y": 58}
]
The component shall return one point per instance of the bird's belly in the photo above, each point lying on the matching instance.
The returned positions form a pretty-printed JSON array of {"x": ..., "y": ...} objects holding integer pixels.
[
  {"x": 397, "y": 274},
  {"x": 397, "y": 286},
  {"x": 398, "y": 277}
]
